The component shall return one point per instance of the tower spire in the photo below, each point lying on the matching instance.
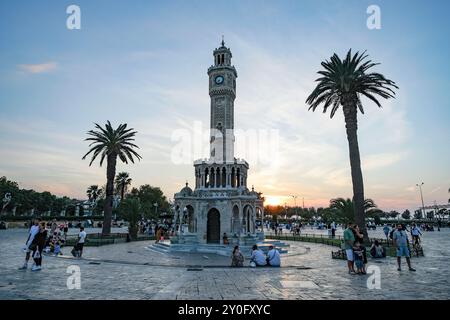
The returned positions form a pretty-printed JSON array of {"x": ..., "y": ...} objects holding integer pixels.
[{"x": 223, "y": 42}]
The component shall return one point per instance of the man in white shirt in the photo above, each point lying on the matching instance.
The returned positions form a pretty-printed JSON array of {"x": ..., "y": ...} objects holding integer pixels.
[
  {"x": 81, "y": 239},
  {"x": 34, "y": 229},
  {"x": 273, "y": 257},
  {"x": 258, "y": 257}
]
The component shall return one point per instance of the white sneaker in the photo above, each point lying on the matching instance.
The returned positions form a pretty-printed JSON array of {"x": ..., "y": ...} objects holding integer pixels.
[{"x": 36, "y": 268}]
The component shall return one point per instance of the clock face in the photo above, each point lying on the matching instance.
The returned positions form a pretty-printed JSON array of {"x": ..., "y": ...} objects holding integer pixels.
[{"x": 219, "y": 80}]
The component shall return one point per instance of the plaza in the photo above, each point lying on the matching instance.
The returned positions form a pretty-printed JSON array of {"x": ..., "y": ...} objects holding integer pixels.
[{"x": 131, "y": 271}]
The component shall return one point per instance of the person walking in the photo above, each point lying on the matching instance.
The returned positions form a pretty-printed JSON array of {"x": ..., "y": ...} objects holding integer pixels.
[
  {"x": 349, "y": 240},
  {"x": 38, "y": 246},
  {"x": 400, "y": 242},
  {"x": 34, "y": 229},
  {"x": 237, "y": 258}
]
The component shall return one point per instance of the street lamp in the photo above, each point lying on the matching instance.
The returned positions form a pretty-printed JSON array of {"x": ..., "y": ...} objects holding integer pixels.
[
  {"x": 295, "y": 203},
  {"x": 421, "y": 197},
  {"x": 156, "y": 209}
]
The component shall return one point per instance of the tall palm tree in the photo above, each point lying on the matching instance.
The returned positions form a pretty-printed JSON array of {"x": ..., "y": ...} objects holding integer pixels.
[
  {"x": 93, "y": 192},
  {"x": 123, "y": 180},
  {"x": 343, "y": 83},
  {"x": 111, "y": 143}
]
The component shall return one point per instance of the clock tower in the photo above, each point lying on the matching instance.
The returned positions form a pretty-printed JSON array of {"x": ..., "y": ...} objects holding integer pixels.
[
  {"x": 219, "y": 201},
  {"x": 222, "y": 91}
]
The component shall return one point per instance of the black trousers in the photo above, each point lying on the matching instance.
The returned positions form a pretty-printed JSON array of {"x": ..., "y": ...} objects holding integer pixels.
[{"x": 37, "y": 261}]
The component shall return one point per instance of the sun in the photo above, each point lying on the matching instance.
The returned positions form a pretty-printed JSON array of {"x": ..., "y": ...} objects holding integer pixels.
[{"x": 272, "y": 200}]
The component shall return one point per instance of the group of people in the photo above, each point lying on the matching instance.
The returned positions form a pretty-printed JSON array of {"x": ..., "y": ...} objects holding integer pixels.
[
  {"x": 40, "y": 240},
  {"x": 415, "y": 231},
  {"x": 356, "y": 251},
  {"x": 258, "y": 258}
]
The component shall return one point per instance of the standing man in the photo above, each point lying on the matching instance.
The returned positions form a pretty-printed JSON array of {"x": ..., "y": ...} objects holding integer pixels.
[
  {"x": 349, "y": 240},
  {"x": 333, "y": 229},
  {"x": 81, "y": 239},
  {"x": 34, "y": 229},
  {"x": 400, "y": 241}
]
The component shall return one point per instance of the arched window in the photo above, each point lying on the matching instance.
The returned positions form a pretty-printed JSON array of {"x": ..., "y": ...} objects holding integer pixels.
[{"x": 224, "y": 177}]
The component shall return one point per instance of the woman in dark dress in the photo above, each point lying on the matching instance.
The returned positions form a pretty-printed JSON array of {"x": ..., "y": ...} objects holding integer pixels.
[
  {"x": 359, "y": 237},
  {"x": 38, "y": 245}
]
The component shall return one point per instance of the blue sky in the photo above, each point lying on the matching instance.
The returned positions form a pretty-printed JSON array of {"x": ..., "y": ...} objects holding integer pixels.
[{"x": 145, "y": 62}]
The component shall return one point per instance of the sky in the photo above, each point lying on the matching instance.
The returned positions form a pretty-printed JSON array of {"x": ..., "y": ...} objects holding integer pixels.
[{"x": 144, "y": 63}]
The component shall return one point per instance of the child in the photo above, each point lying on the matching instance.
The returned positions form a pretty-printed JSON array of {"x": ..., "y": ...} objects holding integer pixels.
[
  {"x": 359, "y": 258},
  {"x": 57, "y": 249}
]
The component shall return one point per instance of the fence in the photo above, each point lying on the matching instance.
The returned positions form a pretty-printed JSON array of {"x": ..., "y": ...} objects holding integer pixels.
[{"x": 97, "y": 239}]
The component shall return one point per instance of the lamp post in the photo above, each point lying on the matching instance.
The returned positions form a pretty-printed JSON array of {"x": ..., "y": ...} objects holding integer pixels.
[
  {"x": 421, "y": 197},
  {"x": 295, "y": 204}
]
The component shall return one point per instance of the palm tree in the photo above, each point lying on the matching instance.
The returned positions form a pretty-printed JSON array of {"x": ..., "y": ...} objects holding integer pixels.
[
  {"x": 123, "y": 180},
  {"x": 343, "y": 83},
  {"x": 346, "y": 208},
  {"x": 93, "y": 193},
  {"x": 111, "y": 143}
]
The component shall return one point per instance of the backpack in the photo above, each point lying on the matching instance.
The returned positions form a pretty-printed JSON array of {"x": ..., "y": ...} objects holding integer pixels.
[{"x": 391, "y": 234}]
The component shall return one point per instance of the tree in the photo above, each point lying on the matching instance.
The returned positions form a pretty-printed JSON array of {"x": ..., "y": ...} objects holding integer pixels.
[
  {"x": 343, "y": 83},
  {"x": 418, "y": 214},
  {"x": 148, "y": 197},
  {"x": 130, "y": 210},
  {"x": 406, "y": 214},
  {"x": 111, "y": 143},
  {"x": 345, "y": 208},
  {"x": 123, "y": 180},
  {"x": 93, "y": 193},
  {"x": 394, "y": 214}
]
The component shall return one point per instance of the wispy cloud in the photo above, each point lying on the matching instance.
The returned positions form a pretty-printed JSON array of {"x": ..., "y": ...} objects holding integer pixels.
[{"x": 38, "y": 68}]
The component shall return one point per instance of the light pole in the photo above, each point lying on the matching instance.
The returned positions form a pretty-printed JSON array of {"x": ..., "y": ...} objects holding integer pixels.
[
  {"x": 421, "y": 197},
  {"x": 295, "y": 204}
]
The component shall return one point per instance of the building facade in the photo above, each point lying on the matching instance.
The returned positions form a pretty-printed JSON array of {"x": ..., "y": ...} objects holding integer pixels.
[{"x": 220, "y": 202}]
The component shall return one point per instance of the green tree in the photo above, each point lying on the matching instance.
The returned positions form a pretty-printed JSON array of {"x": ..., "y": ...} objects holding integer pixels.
[
  {"x": 123, "y": 180},
  {"x": 111, "y": 143},
  {"x": 148, "y": 197},
  {"x": 343, "y": 83},
  {"x": 345, "y": 209},
  {"x": 406, "y": 214},
  {"x": 418, "y": 214},
  {"x": 130, "y": 210},
  {"x": 394, "y": 214},
  {"x": 94, "y": 192}
]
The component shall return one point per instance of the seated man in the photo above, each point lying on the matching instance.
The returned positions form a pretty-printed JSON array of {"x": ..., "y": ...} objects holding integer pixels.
[
  {"x": 273, "y": 257},
  {"x": 377, "y": 251},
  {"x": 258, "y": 257}
]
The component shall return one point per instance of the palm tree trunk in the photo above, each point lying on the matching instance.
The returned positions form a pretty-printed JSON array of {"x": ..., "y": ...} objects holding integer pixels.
[
  {"x": 110, "y": 174},
  {"x": 351, "y": 124},
  {"x": 122, "y": 192}
]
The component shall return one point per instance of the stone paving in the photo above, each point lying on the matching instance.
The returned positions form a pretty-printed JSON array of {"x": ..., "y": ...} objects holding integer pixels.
[{"x": 131, "y": 271}]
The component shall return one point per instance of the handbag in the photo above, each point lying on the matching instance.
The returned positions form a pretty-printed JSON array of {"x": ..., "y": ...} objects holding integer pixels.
[{"x": 37, "y": 255}]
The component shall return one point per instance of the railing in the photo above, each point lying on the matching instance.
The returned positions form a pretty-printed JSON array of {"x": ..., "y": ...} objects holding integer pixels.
[
  {"x": 98, "y": 239},
  {"x": 312, "y": 237}
]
